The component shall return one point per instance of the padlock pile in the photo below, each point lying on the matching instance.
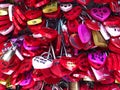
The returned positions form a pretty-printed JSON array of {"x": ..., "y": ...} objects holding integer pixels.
[{"x": 49, "y": 44}]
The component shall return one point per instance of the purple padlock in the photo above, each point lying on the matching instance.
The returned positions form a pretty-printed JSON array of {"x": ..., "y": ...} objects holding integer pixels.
[
  {"x": 100, "y": 14},
  {"x": 97, "y": 58}
]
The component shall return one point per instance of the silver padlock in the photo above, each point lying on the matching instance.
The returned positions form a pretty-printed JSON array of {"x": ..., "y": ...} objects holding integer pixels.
[{"x": 8, "y": 54}]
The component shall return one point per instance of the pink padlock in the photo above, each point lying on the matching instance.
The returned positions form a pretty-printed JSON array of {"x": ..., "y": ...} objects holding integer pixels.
[
  {"x": 100, "y": 14},
  {"x": 84, "y": 33},
  {"x": 97, "y": 59}
]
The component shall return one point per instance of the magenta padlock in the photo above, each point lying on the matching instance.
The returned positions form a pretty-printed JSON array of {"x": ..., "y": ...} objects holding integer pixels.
[
  {"x": 100, "y": 14},
  {"x": 84, "y": 33},
  {"x": 97, "y": 59},
  {"x": 27, "y": 80},
  {"x": 103, "y": 75}
]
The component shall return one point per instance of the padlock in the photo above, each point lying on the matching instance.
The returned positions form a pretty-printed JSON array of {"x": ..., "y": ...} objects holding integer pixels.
[
  {"x": 100, "y": 14},
  {"x": 66, "y": 7},
  {"x": 92, "y": 24},
  {"x": 72, "y": 25},
  {"x": 114, "y": 31},
  {"x": 98, "y": 39},
  {"x": 102, "y": 75},
  {"x": 114, "y": 44},
  {"x": 51, "y": 7},
  {"x": 32, "y": 14},
  {"x": 97, "y": 59},
  {"x": 74, "y": 13},
  {"x": 115, "y": 6},
  {"x": 112, "y": 21},
  {"x": 29, "y": 3},
  {"x": 53, "y": 15},
  {"x": 84, "y": 33},
  {"x": 3, "y": 12}
]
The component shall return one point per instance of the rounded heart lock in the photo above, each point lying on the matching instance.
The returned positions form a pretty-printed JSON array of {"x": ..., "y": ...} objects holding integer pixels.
[
  {"x": 98, "y": 57},
  {"x": 115, "y": 41},
  {"x": 92, "y": 24},
  {"x": 115, "y": 6},
  {"x": 103, "y": 75},
  {"x": 83, "y": 63},
  {"x": 66, "y": 7},
  {"x": 28, "y": 40},
  {"x": 37, "y": 75},
  {"x": 113, "y": 31},
  {"x": 40, "y": 62},
  {"x": 84, "y": 33},
  {"x": 74, "y": 13},
  {"x": 100, "y": 14},
  {"x": 26, "y": 80},
  {"x": 53, "y": 15},
  {"x": 58, "y": 70},
  {"x": 69, "y": 63},
  {"x": 112, "y": 21},
  {"x": 75, "y": 41},
  {"x": 48, "y": 33},
  {"x": 72, "y": 25},
  {"x": 25, "y": 65},
  {"x": 30, "y": 3}
]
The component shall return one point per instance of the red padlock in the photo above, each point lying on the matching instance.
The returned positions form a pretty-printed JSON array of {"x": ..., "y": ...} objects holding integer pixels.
[
  {"x": 55, "y": 15},
  {"x": 72, "y": 25},
  {"x": 112, "y": 21},
  {"x": 58, "y": 70},
  {"x": 115, "y": 5},
  {"x": 32, "y": 14},
  {"x": 74, "y": 13}
]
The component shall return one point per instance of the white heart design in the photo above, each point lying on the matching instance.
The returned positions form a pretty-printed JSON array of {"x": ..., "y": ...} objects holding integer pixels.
[
  {"x": 113, "y": 31},
  {"x": 40, "y": 62}
]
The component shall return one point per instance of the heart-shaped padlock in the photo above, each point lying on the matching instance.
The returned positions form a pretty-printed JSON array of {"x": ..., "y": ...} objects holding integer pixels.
[
  {"x": 75, "y": 41},
  {"x": 58, "y": 70},
  {"x": 29, "y": 3},
  {"x": 40, "y": 62},
  {"x": 53, "y": 15},
  {"x": 115, "y": 6},
  {"x": 98, "y": 39},
  {"x": 84, "y": 33},
  {"x": 103, "y": 75},
  {"x": 66, "y": 7},
  {"x": 83, "y": 63},
  {"x": 50, "y": 7},
  {"x": 48, "y": 33},
  {"x": 115, "y": 42},
  {"x": 114, "y": 31},
  {"x": 92, "y": 24},
  {"x": 74, "y": 13},
  {"x": 97, "y": 59},
  {"x": 69, "y": 63},
  {"x": 72, "y": 25},
  {"x": 83, "y": 2},
  {"x": 100, "y": 14},
  {"x": 112, "y": 21}
]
